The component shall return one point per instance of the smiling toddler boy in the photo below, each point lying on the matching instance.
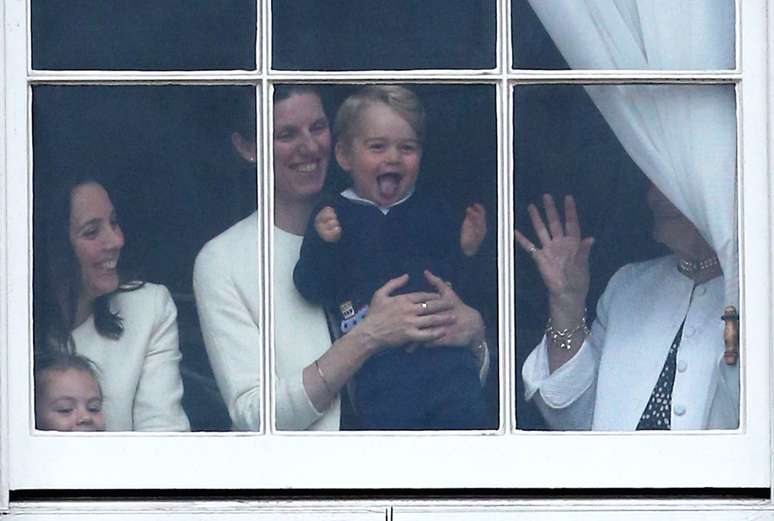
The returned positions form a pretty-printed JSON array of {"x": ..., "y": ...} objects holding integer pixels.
[{"x": 380, "y": 229}]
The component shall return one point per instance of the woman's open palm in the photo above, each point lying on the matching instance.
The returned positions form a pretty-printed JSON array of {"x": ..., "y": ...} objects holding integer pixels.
[{"x": 563, "y": 258}]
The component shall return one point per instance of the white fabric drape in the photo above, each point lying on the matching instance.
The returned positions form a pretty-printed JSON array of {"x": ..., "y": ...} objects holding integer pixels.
[{"x": 683, "y": 137}]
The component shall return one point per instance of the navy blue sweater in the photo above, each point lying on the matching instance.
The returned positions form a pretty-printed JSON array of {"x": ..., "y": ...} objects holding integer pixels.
[{"x": 416, "y": 235}]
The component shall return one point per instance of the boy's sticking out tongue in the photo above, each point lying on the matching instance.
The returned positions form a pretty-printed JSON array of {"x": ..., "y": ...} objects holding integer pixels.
[{"x": 389, "y": 185}]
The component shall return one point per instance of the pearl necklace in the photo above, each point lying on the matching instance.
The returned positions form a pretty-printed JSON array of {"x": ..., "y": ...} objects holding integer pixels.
[{"x": 693, "y": 267}]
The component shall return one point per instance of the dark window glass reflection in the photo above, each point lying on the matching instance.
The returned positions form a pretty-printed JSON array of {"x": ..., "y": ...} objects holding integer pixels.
[
  {"x": 164, "y": 161},
  {"x": 371, "y": 34},
  {"x": 143, "y": 34}
]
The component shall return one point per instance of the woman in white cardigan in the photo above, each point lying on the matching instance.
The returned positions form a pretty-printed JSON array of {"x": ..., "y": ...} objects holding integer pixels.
[
  {"x": 310, "y": 369},
  {"x": 84, "y": 305},
  {"x": 653, "y": 359}
]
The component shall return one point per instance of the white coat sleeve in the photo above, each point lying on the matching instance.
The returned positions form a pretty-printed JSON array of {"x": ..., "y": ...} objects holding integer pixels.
[
  {"x": 157, "y": 401},
  {"x": 295, "y": 411},
  {"x": 566, "y": 397},
  {"x": 231, "y": 337}
]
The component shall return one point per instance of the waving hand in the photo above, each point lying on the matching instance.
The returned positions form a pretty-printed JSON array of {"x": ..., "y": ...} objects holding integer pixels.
[{"x": 562, "y": 259}]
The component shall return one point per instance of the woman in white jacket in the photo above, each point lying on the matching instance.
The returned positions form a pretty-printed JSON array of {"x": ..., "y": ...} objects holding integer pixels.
[
  {"x": 653, "y": 358},
  {"x": 85, "y": 305}
]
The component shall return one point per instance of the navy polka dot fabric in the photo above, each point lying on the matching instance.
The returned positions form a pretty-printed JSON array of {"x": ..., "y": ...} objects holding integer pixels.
[{"x": 658, "y": 413}]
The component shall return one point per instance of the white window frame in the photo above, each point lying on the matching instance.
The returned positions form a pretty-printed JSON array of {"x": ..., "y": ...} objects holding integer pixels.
[{"x": 707, "y": 459}]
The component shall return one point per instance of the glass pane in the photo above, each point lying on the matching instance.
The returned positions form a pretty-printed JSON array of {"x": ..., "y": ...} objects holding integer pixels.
[
  {"x": 143, "y": 35},
  {"x": 161, "y": 157},
  {"x": 370, "y": 34},
  {"x": 648, "y": 35},
  {"x": 385, "y": 229},
  {"x": 656, "y": 282}
]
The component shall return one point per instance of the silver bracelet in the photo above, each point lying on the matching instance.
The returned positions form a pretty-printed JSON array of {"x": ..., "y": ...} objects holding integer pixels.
[{"x": 562, "y": 338}]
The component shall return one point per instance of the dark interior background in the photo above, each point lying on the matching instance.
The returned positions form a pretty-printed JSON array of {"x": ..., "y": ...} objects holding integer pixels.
[
  {"x": 143, "y": 34},
  {"x": 378, "y": 35},
  {"x": 308, "y": 34}
]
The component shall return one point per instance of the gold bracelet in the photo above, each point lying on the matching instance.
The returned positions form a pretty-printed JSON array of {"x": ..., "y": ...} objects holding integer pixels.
[
  {"x": 562, "y": 338},
  {"x": 324, "y": 380}
]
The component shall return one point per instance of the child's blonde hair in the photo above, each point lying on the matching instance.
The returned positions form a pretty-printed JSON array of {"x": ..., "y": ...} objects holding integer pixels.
[{"x": 400, "y": 99}]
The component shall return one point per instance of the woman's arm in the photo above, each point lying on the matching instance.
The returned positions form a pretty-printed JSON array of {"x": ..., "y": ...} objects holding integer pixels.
[
  {"x": 565, "y": 396},
  {"x": 231, "y": 336},
  {"x": 157, "y": 401},
  {"x": 391, "y": 321},
  {"x": 563, "y": 262}
]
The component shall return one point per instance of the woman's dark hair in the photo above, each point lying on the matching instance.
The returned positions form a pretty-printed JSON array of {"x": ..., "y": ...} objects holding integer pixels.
[
  {"x": 284, "y": 91},
  {"x": 241, "y": 112},
  {"x": 242, "y": 117},
  {"x": 58, "y": 274}
]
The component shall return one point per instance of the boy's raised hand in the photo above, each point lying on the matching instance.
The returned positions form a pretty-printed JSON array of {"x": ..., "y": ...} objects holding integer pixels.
[
  {"x": 327, "y": 225},
  {"x": 473, "y": 229}
]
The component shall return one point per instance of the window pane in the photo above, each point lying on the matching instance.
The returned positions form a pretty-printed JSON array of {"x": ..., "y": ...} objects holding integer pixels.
[
  {"x": 370, "y": 34},
  {"x": 381, "y": 151},
  {"x": 164, "y": 159},
  {"x": 684, "y": 139},
  {"x": 143, "y": 35},
  {"x": 562, "y": 34}
]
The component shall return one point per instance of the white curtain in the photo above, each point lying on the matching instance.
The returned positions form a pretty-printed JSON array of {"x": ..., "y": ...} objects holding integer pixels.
[{"x": 682, "y": 136}]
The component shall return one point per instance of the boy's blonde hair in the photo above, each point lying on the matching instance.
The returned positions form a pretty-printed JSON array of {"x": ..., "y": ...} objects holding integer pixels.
[{"x": 400, "y": 99}]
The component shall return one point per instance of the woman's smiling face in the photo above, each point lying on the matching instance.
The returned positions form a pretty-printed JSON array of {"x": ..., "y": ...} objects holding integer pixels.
[
  {"x": 96, "y": 239},
  {"x": 302, "y": 147}
]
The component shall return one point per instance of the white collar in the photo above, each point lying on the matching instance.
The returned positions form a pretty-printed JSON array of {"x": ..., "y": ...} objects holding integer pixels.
[{"x": 350, "y": 194}]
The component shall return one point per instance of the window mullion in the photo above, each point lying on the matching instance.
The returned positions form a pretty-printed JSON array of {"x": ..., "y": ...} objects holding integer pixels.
[
  {"x": 507, "y": 330},
  {"x": 506, "y": 270},
  {"x": 265, "y": 199},
  {"x": 4, "y": 338},
  {"x": 143, "y": 77}
]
